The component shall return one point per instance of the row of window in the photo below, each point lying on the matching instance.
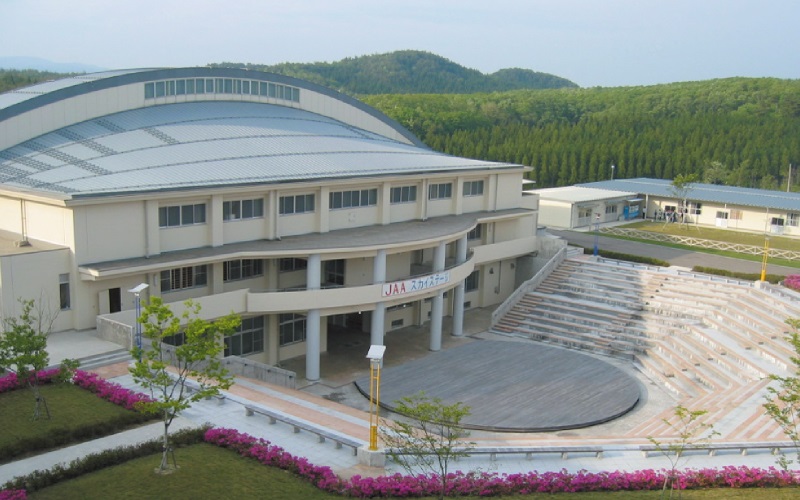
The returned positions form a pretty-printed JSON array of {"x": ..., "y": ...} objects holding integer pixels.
[
  {"x": 197, "y": 86},
  {"x": 186, "y": 215}
]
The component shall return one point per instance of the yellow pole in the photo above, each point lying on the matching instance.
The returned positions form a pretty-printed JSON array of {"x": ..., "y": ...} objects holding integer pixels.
[
  {"x": 374, "y": 394},
  {"x": 764, "y": 262}
]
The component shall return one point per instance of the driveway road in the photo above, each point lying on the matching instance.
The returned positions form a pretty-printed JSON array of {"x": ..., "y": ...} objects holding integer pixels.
[{"x": 675, "y": 256}]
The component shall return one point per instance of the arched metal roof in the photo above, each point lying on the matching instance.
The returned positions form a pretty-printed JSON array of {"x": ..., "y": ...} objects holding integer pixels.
[{"x": 204, "y": 144}]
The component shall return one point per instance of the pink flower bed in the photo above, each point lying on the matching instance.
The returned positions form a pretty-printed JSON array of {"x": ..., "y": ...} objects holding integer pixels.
[
  {"x": 486, "y": 484},
  {"x": 13, "y": 495},
  {"x": 792, "y": 281},
  {"x": 12, "y": 382},
  {"x": 109, "y": 391}
]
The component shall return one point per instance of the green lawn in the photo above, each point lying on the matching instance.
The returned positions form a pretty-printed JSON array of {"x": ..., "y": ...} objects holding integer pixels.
[
  {"x": 206, "y": 471},
  {"x": 76, "y": 415},
  {"x": 713, "y": 233}
]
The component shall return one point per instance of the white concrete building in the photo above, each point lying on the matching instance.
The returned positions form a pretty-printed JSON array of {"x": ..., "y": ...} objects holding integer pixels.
[
  {"x": 293, "y": 205},
  {"x": 743, "y": 209}
]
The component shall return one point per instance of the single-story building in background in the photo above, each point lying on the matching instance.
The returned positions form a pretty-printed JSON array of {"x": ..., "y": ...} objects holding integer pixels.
[{"x": 743, "y": 209}]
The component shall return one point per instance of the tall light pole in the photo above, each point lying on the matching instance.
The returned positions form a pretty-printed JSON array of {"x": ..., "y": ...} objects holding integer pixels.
[
  {"x": 375, "y": 356},
  {"x": 766, "y": 256},
  {"x": 136, "y": 291},
  {"x": 612, "y": 171}
]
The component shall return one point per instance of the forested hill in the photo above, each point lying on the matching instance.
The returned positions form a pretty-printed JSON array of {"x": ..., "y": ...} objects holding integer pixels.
[
  {"x": 11, "y": 79},
  {"x": 409, "y": 72},
  {"x": 737, "y": 131}
]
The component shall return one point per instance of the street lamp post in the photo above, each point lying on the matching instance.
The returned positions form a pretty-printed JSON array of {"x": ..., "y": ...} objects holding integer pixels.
[
  {"x": 766, "y": 256},
  {"x": 375, "y": 356},
  {"x": 612, "y": 171},
  {"x": 136, "y": 291},
  {"x": 596, "y": 234}
]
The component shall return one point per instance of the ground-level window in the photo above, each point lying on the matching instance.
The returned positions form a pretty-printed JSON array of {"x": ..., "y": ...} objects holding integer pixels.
[
  {"x": 183, "y": 277},
  {"x": 292, "y": 328},
  {"x": 777, "y": 221},
  {"x": 63, "y": 291},
  {"x": 243, "y": 269},
  {"x": 793, "y": 219},
  {"x": 695, "y": 208},
  {"x": 611, "y": 209},
  {"x": 722, "y": 215},
  {"x": 736, "y": 214},
  {"x": 248, "y": 339},
  {"x": 472, "y": 281},
  {"x": 584, "y": 213}
]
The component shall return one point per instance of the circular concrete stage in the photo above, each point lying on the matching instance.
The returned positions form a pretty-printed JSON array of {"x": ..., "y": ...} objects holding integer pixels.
[{"x": 515, "y": 386}]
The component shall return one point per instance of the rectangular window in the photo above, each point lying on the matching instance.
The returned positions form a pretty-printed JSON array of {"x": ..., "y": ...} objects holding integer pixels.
[
  {"x": 736, "y": 214},
  {"x": 246, "y": 87},
  {"x": 473, "y": 188},
  {"x": 149, "y": 90},
  {"x": 182, "y": 278},
  {"x": 695, "y": 208},
  {"x": 290, "y": 264},
  {"x": 181, "y": 215},
  {"x": 777, "y": 221},
  {"x": 404, "y": 194},
  {"x": 292, "y": 328},
  {"x": 792, "y": 219},
  {"x": 243, "y": 209},
  {"x": 334, "y": 272},
  {"x": 350, "y": 199},
  {"x": 722, "y": 215},
  {"x": 248, "y": 339},
  {"x": 63, "y": 291},
  {"x": 180, "y": 87},
  {"x": 300, "y": 204},
  {"x": 476, "y": 233},
  {"x": 243, "y": 269},
  {"x": 440, "y": 191},
  {"x": 160, "y": 89},
  {"x": 190, "y": 86},
  {"x": 171, "y": 87},
  {"x": 611, "y": 209},
  {"x": 472, "y": 281}
]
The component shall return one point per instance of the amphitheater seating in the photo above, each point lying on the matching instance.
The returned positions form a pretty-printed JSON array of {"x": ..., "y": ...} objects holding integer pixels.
[{"x": 710, "y": 343}]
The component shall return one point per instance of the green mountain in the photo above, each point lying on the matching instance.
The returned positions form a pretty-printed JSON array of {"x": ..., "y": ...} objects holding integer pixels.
[{"x": 409, "y": 72}]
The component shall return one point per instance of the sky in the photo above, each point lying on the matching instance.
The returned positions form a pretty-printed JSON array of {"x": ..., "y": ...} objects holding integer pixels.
[{"x": 603, "y": 43}]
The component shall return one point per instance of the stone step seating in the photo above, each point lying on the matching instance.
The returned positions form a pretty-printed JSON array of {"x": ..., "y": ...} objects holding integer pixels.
[
  {"x": 707, "y": 371},
  {"x": 750, "y": 363},
  {"x": 749, "y": 309},
  {"x": 597, "y": 325},
  {"x": 739, "y": 369},
  {"x": 553, "y": 335},
  {"x": 590, "y": 292},
  {"x": 586, "y": 312},
  {"x": 750, "y": 339},
  {"x": 671, "y": 373}
]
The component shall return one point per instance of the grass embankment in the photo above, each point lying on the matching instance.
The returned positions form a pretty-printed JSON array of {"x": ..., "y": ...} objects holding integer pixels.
[{"x": 75, "y": 415}]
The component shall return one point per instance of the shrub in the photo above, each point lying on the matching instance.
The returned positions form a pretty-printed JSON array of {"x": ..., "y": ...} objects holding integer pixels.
[
  {"x": 792, "y": 281},
  {"x": 771, "y": 278},
  {"x": 109, "y": 391}
]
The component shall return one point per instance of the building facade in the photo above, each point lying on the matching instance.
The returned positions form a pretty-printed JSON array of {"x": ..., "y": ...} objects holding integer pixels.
[{"x": 299, "y": 208}]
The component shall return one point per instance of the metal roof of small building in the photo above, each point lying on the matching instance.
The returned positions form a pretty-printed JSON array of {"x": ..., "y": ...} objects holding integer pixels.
[
  {"x": 578, "y": 194},
  {"x": 711, "y": 193},
  {"x": 210, "y": 144}
]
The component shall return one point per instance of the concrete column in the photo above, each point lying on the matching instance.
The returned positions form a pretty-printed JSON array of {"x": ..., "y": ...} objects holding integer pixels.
[
  {"x": 379, "y": 314},
  {"x": 458, "y": 295},
  {"x": 313, "y": 278},
  {"x": 437, "y": 308},
  {"x": 214, "y": 218}
]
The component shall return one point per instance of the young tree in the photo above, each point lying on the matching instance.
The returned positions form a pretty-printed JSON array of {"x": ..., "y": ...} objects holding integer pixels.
[
  {"x": 195, "y": 355},
  {"x": 691, "y": 431},
  {"x": 681, "y": 186},
  {"x": 432, "y": 438},
  {"x": 23, "y": 346},
  {"x": 783, "y": 402}
]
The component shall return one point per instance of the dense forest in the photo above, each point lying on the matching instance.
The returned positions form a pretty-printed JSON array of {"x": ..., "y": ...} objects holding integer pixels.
[
  {"x": 737, "y": 131},
  {"x": 409, "y": 72}
]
